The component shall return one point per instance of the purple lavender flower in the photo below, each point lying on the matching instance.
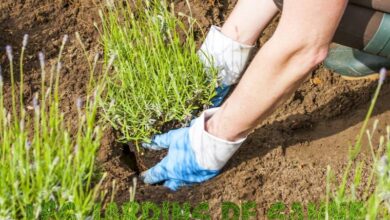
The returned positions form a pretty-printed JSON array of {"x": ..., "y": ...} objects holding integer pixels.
[
  {"x": 382, "y": 75},
  {"x": 41, "y": 59},
  {"x": 25, "y": 40},
  {"x": 111, "y": 61},
  {"x": 35, "y": 104},
  {"x": 28, "y": 145},
  {"x": 96, "y": 58},
  {"x": 65, "y": 39},
  {"x": 8, "y": 50},
  {"x": 59, "y": 67},
  {"x": 79, "y": 103},
  {"x": 76, "y": 149}
]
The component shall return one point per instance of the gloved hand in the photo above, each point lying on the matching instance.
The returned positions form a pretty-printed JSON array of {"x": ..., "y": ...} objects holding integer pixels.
[
  {"x": 229, "y": 57},
  {"x": 194, "y": 155},
  {"x": 221, "y": 93}
]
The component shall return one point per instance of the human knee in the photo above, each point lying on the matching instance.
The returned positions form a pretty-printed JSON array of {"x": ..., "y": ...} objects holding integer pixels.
[
  {"x": 308, "y": 58},
  {"x": 300, "y": 55},
  {"x": 309, "y": 53},
  {"x": 318, "y": 54}
]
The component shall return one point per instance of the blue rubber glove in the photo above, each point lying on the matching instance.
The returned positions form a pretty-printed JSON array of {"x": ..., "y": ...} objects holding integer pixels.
[
  {"x": 221, "y": 93},
  {"x": 179, "y": 167},
  {"x": 194, "y": 155}
]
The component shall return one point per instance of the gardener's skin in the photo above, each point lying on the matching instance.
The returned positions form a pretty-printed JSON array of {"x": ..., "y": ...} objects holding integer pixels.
[{"x": 300, "y": 43}]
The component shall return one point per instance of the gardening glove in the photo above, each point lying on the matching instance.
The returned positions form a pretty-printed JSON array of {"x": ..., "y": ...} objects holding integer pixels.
[
  {"x": 194, "y": 155},
  {"x": 229, "y": 57}
]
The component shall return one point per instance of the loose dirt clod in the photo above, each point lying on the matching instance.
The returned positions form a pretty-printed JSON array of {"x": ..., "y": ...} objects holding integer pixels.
[{"x": 145, "y": 158}]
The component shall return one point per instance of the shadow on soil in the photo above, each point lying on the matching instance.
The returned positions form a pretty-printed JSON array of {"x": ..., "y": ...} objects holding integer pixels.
[{"x": 352, "y": 105}]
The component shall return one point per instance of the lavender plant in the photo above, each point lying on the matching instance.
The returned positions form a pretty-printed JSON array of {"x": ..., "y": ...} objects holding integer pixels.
[
  {"x": 376, "y": 197},
  {"x": 40, "y": 160},
  {"x": 158, "y": 77}
]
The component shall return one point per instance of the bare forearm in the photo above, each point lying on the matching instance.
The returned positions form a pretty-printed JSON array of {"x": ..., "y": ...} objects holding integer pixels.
[
  {"x": 270, "y": 79},
  {"x": 299, "y": 44}
]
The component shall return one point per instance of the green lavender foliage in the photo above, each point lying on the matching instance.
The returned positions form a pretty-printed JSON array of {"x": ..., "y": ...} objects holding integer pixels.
[
  {"x": 158, "y": 77},
  {"x": 376, "y": 194},
  {"x": 40, "y": 160}
]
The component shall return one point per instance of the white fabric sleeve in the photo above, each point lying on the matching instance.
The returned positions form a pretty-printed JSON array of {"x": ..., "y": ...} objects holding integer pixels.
[
  {"x": 229, "y": 57},
  {"x": 211, "y": 152}
]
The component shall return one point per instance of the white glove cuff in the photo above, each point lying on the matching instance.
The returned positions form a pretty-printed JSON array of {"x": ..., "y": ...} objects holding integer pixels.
[
  {"x": 211, "y": 153},
  {"x": 229, "y": 57}
]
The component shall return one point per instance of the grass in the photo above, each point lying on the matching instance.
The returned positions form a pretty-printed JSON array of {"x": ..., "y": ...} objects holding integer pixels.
[
  {"x": 376, "y": 194},
  {"x": 41, "y": 160},
  {"x": 158, "y": 77}
]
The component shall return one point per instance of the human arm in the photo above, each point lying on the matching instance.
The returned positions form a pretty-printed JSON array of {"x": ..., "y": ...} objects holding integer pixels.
[
  {"x": 228, "y": 49},
  {"x": 299, "y": 44}
]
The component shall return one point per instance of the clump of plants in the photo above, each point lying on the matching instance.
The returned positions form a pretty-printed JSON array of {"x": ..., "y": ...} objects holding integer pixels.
[
  {"x": 158, "y": 77},
  {"x": 375, "y": 201},
  {"x": 41, "y": 161}
]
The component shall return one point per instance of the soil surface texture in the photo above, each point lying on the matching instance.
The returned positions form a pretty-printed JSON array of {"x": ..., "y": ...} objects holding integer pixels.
[{"x": 285, "y": 159}]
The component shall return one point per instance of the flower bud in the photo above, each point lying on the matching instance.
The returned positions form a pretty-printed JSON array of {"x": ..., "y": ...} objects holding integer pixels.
[
  {"x": 25, "y": 41},
  {"x": 28, "y": 146},
  {"x": 8, "y": 50},
  {"x": 65, "y": 39},
  {"x": 79, "y": 103},
  {"x": 382, "y": 76},
  {"x": 41, "y": 60}
]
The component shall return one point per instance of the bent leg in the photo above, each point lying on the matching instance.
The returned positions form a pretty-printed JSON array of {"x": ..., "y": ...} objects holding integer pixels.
[
  {"x": 369, "y": 32},
  {"x": 380, "y": 5},
  {"x": 300, "y": 43},
  {"x": 365, "y": 36},
  {"x": 357, "y": 27}
]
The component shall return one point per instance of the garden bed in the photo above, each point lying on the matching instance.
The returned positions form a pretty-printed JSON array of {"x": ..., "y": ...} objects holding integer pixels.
[{"x": 284, "y": 160}]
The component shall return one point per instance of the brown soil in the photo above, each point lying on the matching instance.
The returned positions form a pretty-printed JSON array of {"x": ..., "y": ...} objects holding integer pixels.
[
  {"x": 47, "y": 22},
  {"x": 284, "y": 160}
]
